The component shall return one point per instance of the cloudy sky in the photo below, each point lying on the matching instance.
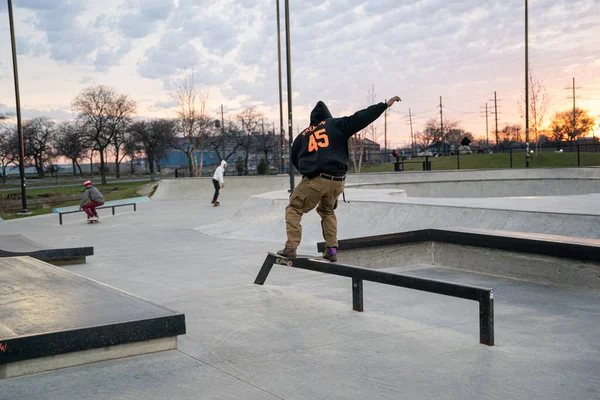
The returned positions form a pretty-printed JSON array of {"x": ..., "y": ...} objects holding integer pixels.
[{"x": 417, "y": 49}]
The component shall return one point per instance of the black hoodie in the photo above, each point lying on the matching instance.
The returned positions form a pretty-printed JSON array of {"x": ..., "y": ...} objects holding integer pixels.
[{"x": 323, "y": 146}]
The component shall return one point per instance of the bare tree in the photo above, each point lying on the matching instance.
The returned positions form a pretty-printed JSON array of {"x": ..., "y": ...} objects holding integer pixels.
[
  {"x": 562, "y": 124},
  {"x": 154, "y": 137},
  {"x": 95, "y": 107},
  {"x": 538, "y": 105},
  {"x": 250, "y": 119},
  {"x": 357, "y": 142},
  {"x": 70, "y": 143},
  {"x": 267, "y": 144},
  {"x": 510, "y": 133},
  {"x": 121, "y": 110},
  {"x": 38, "y": 135},
  {"x": 225, "y": 142},
  {"x": 9, "y": 149},
  {"x": 193, "y": 122}
]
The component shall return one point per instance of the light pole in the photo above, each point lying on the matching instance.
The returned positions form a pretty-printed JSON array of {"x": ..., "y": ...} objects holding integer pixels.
[
  {"x": 281, "y": 132},
  {"x": 527, "y": 86},
  {"x": 289, "y": 89},
  {"x": 18, "y": 107}
]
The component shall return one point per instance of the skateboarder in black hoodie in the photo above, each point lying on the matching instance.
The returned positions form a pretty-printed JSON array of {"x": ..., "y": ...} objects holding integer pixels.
[{"x": 320, "y": 154}]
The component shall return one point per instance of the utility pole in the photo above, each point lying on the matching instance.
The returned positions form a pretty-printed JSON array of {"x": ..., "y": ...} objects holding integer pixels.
[
  {"x": 527, "y": 86},
  {"x": 224, "y": 139},
  {"x": 222, "y": 120},
  {"x": 442, "y": 124},
  {"x": 289, "y": 89},
  {"x": 412, "y": 137},
  {"x": 574, "y": 108},
  {"x": 18, "y": 107},
  {"x": 496, "y": 115},
  {"x": 281, "y": 131},
  {"x": 574, "y": 118},
  {"x": 263, "y": 125},
  {"x": 487, "y": 140}
]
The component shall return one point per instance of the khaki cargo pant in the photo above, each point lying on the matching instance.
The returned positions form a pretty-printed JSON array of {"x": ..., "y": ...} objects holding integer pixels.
[{"x": 306, "y": 196}]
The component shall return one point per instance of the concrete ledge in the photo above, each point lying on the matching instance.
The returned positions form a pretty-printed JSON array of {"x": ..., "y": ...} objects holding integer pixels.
[
  {"x": 546, "y": 259},
  {"x": 37, "y": 365},
  {"x": 536, "y": 243},
  {"x": 508, "y": 264},
  {"x": 19, "y": 245}
]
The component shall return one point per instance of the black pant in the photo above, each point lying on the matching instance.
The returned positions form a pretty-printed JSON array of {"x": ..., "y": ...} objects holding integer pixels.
[{"x": 217, "y": 188}]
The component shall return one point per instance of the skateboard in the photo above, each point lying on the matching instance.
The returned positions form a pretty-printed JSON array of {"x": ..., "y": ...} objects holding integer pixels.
[
  {"x": 281, "y": 260},
  {"x": 216, "y": 204},
  {"x": 93, "y": 221}
]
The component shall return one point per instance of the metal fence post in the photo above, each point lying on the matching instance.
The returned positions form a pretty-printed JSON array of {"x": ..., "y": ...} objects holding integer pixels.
[
  {"x": 457, "y": 159},
  {"x": 510, "y": 152},
  {"x": 578, "y": 157},
  {"x": 486, "y": 318},
  {"x": 357, "y": 294}
]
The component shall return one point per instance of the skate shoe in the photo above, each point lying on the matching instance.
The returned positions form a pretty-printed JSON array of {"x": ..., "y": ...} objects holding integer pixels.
[
  {"x": 330, "y": 254},
  {"x": 287, "y": 253}
]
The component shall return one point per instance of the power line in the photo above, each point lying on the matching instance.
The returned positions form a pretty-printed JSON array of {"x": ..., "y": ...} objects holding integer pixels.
[{"x": 463, "y": 112}]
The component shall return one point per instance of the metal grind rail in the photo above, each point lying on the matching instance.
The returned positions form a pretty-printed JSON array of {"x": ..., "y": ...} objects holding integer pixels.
[{"x": 484, "y": 296}]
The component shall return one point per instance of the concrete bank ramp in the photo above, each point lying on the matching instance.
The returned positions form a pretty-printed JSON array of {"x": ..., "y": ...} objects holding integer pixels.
[
  {"x": 375, "y": 211},
  {"x": 461, "y": 184},
  {"x": 236, "y": 187}
]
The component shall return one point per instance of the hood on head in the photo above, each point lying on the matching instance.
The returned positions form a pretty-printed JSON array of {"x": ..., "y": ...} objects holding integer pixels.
[
  {"x": 223, "y": 163},
  {"x": 319, "y": 113}
]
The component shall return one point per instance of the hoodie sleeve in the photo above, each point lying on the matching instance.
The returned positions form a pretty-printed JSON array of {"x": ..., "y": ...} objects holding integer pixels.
[
  {"x": 295, "y": 150},
  {"x": 220, "y": 171},
  {"x": 85, "y": 197},
  {"x": 361, "y": 119}
]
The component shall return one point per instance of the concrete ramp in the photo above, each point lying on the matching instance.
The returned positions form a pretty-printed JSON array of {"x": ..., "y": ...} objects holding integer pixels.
[
  {"x": 19, "y": 245},
  {"x": 375, "y": 212},
  {"x": 236, "y": 187},
  {"x": 446, "y": 184}
]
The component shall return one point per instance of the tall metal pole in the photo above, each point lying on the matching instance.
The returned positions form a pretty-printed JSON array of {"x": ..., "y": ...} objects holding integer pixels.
[
  {"x": 496, "y": 114},
  {"x": 18, "y": 107},
  {"x": 289, "y": 88},
  {"x": 574, "y": 118},
  {"x": 442, "y": 124},
  {"x": 281, "y": 131},
  {"x": 487, "y": 140},
  {"x": 412, "y": 137},
  {"x": 526, "y": 86}
]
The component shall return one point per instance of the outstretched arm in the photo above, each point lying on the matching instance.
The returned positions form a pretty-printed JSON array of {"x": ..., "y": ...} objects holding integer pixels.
[{"x": 361, "y": 119}]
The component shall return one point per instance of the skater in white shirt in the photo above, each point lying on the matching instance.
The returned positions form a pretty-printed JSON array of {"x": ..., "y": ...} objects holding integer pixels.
[{"x": 218, "y": 181}]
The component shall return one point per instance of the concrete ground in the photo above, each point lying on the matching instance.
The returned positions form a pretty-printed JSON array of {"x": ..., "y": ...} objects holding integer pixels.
[{"x": 297, "y": 337}]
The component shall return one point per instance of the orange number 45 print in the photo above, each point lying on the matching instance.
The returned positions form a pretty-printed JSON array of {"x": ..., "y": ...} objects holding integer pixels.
[{"x": 318, "y": 139}]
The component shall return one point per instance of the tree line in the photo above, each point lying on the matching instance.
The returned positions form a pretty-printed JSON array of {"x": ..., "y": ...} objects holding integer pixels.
[
  {"x": 567, "y": 125},
  {"x": 105, "y": 127}
]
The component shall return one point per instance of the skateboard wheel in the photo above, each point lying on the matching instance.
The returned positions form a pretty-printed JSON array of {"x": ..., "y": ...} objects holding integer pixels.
[{"x": 289, "y": 263}]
